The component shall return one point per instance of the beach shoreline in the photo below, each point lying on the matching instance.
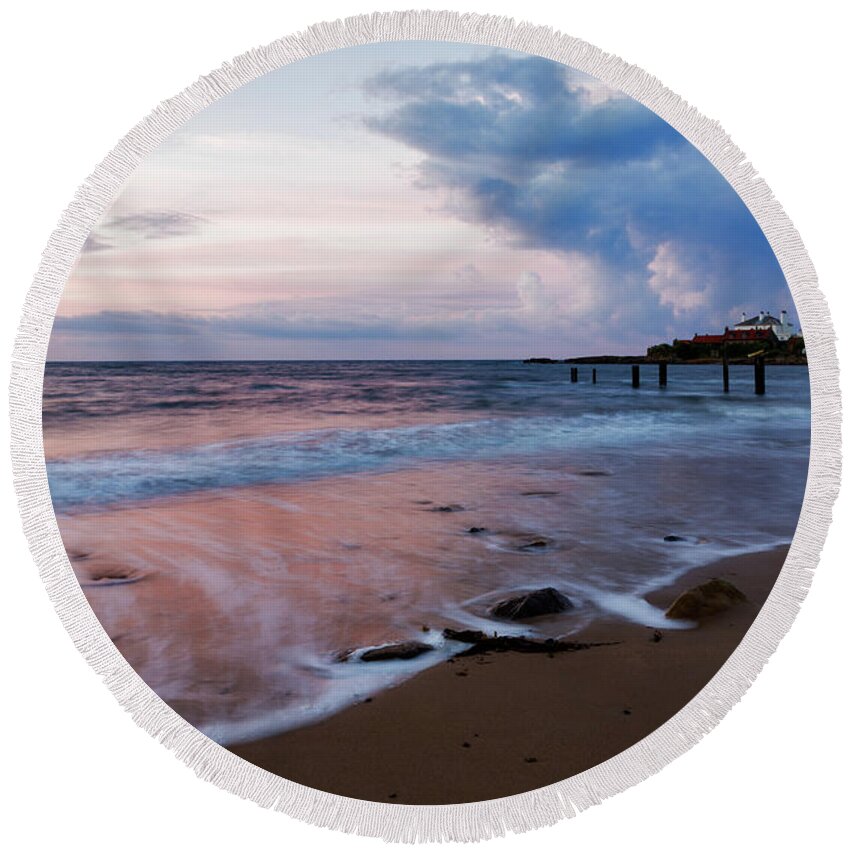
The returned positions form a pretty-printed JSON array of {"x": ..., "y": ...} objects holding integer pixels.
[
  {"x": 496, "y": 724},
  {"x": 233, "y": 568}
]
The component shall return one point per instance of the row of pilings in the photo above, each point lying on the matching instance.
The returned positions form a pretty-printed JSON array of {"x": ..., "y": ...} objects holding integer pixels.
[{"x": 759, "y": 385}]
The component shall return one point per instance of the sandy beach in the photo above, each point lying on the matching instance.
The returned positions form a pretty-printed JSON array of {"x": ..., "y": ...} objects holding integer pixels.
[{"x": 498, "y": 724}]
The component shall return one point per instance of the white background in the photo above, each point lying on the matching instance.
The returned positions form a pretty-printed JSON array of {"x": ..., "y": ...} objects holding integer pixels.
[{"x": 77, "y": 76}]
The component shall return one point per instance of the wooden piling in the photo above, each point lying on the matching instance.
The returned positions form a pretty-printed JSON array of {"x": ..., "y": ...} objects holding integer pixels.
[
  {"x": 635, "y": 376},
  {"x": 662, "y": 374},
  {"x": 574, "y": 375},
  {"x": 594, "y": 376},
  {"x": 725, "y": 376},
  {"x": 758, "y": 368}
]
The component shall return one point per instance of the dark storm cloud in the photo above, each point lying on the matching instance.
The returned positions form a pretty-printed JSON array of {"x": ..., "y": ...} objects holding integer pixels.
[
  {"x": 524, "y": 112},
  {"x": 542, "y": 154}
]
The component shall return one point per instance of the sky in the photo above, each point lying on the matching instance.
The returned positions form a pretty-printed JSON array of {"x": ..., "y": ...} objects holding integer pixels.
[{"x": 416, "y": 200}]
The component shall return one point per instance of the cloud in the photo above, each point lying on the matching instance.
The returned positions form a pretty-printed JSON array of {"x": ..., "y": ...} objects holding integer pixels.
[
  {"x": 544, "y": 159},
  {"x": 94, "y": 243},
  {"x": 528, "y": 111},
  {"x": 533, "y": 296},
  {"x": 337, "y": 320},
  {"x": 258, "y": 321},
  {"x": 130, "y": 323},
  {"x": 122, "y": 231},
  {"x": 155, "y": 224},
  {"x": 676, "y": 285}
]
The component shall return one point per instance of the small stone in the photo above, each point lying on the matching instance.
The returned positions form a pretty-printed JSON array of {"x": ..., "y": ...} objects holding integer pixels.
[
  {"x": 673, "y": 538},
  {"x": 656, "y": 636},
  {"x": 530, "y": 760},
  {"x": 476, "y": 529}
]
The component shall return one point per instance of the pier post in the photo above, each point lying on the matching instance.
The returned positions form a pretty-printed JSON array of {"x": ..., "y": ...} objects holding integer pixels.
[
  {"x": 635, "y": 376},
  {"x": 758, "y": 367},
  {"x": 662, "y": 374},
  {"x": 594, "y": 376},
  {"x": 725, "y": 376},
  {"x": 574, "y": 375}
]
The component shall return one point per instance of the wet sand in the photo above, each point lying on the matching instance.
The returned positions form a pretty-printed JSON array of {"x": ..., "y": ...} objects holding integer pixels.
[
  {"x": 498, "y": 724},
  {"x": 234, "y": 604}
]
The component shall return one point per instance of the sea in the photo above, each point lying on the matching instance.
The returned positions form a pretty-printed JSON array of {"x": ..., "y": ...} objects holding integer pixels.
[{"x": 241, "y": 527}]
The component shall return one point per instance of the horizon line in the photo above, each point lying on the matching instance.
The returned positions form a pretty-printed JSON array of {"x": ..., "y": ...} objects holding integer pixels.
[{"x": 324, "y": 360}]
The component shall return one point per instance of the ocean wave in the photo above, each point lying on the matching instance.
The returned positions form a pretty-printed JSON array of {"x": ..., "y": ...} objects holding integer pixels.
[{"x": 112, "y": 477}]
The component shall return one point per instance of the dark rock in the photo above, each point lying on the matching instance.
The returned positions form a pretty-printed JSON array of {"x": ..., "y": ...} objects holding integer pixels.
[
  {"x": 405, "y": 650},
  {"x": 448, "y": 509},
  {"x": 535, "y": 603},
  {"x": 706, "y": 599},
  {"x": 530, "y": 760},
  {"x": 593, "y": 473},
  {"x": 540, "y": 493},
  {"x": 656, "y": 636},
  {"x": 464, "y": 635},
  {"x": 476, "y": 529},
  {"x": 673, "y": 538}
]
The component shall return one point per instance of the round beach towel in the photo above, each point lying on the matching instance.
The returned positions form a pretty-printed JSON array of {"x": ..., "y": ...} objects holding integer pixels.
[{"x": 422, "y": 436}]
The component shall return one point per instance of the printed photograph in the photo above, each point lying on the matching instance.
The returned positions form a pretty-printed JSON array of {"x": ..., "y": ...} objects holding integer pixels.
[{"x": 426, "y": 423}]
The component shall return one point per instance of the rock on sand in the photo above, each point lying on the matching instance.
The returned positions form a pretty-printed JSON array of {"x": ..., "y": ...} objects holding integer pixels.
[
  {"x": 712, "y": 597},
  {"x": 535, "y": 603}
]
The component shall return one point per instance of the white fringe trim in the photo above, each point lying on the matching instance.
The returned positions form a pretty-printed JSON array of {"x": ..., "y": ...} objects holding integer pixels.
[{"x": 469, "y": 821}]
